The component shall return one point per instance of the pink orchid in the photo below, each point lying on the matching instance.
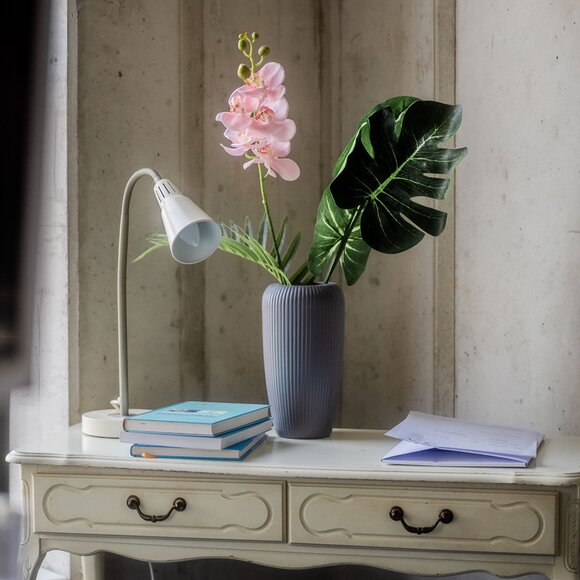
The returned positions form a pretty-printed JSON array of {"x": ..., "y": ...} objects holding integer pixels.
[
  {"x": 266, "y": 82},
  {"x": 257, "y": 125},
  {"x": 269, "y": 121},
  {"x": 241, "y": 142},
  {"x": 272, "y": 156},
  {"x": 241, "y": 107}
]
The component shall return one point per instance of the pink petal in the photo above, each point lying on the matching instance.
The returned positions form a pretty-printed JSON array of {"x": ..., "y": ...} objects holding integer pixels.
[
  {"x": 280, "y": 148},
  {"x": 250, "y": 162},
  {"x": 284, "y": 130},
  {"x": 279, "y": 106},
  {"x": 287, "y": 169},
  {"x": 277, "y": 92},
  {"x": 272, "y": 74},
  {"x": 235, "y": 151},
  {"x": 248, "y": 102},
  {"x": 234, "y": 121},
  {"x": 273, "y": 130}
]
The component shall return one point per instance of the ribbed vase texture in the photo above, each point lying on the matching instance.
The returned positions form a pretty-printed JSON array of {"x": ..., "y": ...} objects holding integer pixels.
[{"x": 303, "y": 338}]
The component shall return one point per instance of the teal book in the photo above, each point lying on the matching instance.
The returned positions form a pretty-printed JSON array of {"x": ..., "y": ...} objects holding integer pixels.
[
  {"x": 197, "y": 418},
  {"x": 235, "y": 452},
  {"x": 220, "y": 441}
]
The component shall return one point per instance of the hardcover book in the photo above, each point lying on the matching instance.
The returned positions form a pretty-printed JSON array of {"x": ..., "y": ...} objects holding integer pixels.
[
  {"x": 197, "y": 418},
  {"x": 189, "y": 441},
  {"x": 235, "y": 452}
]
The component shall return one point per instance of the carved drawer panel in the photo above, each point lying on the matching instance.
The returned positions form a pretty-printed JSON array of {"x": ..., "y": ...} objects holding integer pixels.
[
  {"x": 483, "y": 521},
  {"x": 213, "y": 508}
]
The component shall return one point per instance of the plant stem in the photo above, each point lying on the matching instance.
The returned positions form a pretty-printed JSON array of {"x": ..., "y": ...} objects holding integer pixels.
[
  {"x": 268, "y": 216},
  {"x": 343, "y": 243}
]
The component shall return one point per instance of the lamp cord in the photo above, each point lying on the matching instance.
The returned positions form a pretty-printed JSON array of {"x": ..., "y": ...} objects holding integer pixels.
[{"x": 151, "y": 571}]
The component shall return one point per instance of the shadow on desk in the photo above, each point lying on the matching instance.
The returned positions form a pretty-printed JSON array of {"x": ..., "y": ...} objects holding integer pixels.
[{"x": 224, "y": 569}]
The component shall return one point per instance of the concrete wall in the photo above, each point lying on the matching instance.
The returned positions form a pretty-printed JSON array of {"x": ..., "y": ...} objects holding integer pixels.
[
  {"x": 136, "y": 69},
  {"x": 151, "y": 77},
  {"x": 518, "y": 214},
  {"x": 481, "y": 324}
]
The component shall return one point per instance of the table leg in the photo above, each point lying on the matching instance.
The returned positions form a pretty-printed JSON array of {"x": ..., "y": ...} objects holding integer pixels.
[
  {"x": 29, "y": 558},
  {"x": 93, "y": 567}
]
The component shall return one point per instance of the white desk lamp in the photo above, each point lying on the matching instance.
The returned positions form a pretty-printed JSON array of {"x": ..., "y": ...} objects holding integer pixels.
[{"x": 192, "y": 236}]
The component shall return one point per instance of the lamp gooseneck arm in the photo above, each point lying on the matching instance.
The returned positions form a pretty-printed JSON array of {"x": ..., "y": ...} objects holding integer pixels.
[{"x": 122, "y": 287}]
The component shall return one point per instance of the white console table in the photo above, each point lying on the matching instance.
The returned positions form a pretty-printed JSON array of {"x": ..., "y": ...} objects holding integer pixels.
[{"x": 302, "y": 503}]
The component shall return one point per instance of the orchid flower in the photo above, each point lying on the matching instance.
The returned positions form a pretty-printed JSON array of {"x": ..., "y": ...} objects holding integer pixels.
[
  {"x": 257, "y": 125},
  {"x": 266, "y": 82},
  {"x": 272, "y": 156}
]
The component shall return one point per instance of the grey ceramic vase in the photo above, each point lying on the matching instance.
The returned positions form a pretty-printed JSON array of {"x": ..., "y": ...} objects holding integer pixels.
[{"x": 303, "y": 339}]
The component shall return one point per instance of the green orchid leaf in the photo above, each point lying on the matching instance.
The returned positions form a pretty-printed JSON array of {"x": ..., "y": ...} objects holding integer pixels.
[
  {"x": 402, "y": 167},
  {"x": 337, "y": 229},
  {"x": 290, "y": 251},
  {"x": 248, "y": 229},
  {"x": 281, "y": 235},
  {"x": 302, "y": 275},
  {"x": 263, "y": 232},
  {"x": 250, "y": 249},
  {"x": 156, "y": 242}
]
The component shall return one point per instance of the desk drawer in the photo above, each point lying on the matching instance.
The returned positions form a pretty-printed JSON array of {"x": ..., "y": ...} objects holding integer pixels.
[
  {"x": 216, "y": 509},
  {"x": 483, "y": 521}
]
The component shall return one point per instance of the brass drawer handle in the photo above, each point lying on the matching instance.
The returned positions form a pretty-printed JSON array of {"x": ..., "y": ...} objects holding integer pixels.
[
  {"x": 397, "y": 514},
  {"x": 134, "y": 503}
]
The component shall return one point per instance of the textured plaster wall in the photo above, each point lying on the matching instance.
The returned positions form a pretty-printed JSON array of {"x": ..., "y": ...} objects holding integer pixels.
[
  {"x": 137, "y": 107},
  {"x": 151, "y": 78},
  {"x": 518, "y": 214},
  {"x": 489, "y": 334}
]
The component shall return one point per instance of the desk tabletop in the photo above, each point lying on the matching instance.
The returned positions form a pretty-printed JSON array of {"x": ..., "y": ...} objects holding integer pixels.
[{"x": 346, "y": 454}]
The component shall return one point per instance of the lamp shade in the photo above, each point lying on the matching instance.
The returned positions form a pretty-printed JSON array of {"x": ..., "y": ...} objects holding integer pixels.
[{"x": 192, "y": 235}]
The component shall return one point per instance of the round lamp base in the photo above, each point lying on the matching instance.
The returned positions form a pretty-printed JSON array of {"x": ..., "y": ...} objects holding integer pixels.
[{"x": 105, "y": 423}]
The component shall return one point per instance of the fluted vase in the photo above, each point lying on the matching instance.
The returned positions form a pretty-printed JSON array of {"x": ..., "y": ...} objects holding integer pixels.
[{"x": 303, "y": 341}]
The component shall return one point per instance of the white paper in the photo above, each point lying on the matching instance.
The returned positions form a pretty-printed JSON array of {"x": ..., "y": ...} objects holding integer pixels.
[
  {"x": 407, "y": 453},
  {"x": 421, "y": 433}
]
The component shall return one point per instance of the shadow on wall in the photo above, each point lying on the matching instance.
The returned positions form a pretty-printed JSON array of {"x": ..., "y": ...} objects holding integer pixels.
[{"x": 223, "y": 569}]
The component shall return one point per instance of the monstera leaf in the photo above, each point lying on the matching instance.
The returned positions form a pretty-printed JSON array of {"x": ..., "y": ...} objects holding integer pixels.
[
  {"x": 337, "y": 233},
  {"x": 393, "y": 157}
]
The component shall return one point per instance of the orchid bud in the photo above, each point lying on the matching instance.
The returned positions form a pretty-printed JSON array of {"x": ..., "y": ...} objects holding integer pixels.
[
  {"x": 244, "y": 72},
  {"x": 255, "y": 36},
  {"x": 243, "y": 44},
  {"x": 264, "y": 50}
]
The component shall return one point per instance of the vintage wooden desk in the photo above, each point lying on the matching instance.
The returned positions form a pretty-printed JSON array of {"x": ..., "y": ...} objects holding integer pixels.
[{"x": 297, "y": 503}]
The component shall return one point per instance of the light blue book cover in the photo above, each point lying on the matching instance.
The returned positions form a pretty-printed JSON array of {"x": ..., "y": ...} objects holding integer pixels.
[
  {"x": 197, "y": 441},
  {"x": 201, "y": 417}
]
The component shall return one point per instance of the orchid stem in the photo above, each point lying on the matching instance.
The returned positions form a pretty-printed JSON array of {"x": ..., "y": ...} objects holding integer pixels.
[{"x": 268, "y": 216}]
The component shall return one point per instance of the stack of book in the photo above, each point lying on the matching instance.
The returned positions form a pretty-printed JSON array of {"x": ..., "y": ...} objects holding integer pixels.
[{"x": 198, "y": 430}]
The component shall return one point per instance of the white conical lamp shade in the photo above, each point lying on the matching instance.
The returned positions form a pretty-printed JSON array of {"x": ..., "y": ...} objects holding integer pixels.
[{"x": 192, "y": 235}]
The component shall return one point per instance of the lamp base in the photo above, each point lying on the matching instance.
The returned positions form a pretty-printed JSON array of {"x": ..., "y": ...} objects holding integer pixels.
[{"x": 106, "y": 423}]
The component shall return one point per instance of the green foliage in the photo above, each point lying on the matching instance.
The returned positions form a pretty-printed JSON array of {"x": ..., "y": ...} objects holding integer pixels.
[
  {"x": 337, "y": 233},
  {"x": 155, "y": 241},
  {"x": 393, "y": 157},
  {"x": 243, "y": 244}
]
